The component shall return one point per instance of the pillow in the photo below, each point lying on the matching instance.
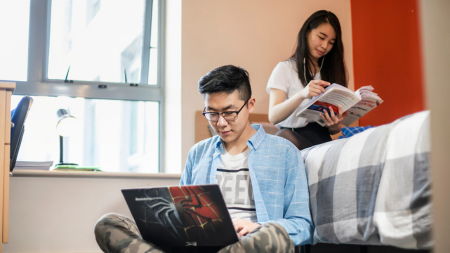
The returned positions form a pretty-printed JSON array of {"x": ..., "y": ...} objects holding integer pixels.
[{"x": 350, "y": 131}]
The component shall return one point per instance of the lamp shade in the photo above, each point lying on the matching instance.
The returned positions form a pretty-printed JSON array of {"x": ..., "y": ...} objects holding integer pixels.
[{"x": 67, "y": 123}]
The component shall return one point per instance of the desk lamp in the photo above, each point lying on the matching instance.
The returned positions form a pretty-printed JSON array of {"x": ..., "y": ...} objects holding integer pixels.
[{"x": 66, "y": 125}]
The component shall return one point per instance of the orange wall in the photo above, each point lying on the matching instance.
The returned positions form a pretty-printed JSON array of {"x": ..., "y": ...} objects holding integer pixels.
[{"x": 386, "y": 55}]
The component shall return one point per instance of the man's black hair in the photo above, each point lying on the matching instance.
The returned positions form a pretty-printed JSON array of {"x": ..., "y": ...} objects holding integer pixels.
[{"x": 226, "y": 79}]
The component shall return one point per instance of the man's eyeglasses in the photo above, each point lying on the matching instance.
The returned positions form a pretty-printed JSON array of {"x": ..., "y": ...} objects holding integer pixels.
[{"x": 228, "y": 116}]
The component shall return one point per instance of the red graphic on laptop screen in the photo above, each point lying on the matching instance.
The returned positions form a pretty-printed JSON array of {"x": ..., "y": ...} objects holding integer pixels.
[
  {"x": 182, "y": 215},
  {"x": 196, "y": 209}
]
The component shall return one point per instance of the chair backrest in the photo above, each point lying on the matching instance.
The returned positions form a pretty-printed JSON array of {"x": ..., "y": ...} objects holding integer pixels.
[{"x": 18, "y": 117}]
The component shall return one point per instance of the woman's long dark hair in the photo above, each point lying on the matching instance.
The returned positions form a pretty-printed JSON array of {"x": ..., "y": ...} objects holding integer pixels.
[{"x": 333, "y": 69}]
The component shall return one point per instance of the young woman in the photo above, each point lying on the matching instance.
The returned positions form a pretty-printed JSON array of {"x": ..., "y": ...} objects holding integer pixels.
[{"x": 317, "y": 62}]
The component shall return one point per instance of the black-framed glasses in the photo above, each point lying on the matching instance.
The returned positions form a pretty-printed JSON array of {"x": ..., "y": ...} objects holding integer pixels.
[{"x": 228, "y": 116}]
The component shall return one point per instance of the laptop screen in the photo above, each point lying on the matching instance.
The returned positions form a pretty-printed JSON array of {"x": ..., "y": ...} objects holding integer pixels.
[{"x": 181, "y": 215}]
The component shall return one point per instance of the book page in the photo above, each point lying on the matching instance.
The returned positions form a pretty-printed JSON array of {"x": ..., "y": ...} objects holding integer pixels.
[
  {"x": 361, "y": 108},
  {"x": 340, "y": 97},
  {"x": 334, "y": 96}
]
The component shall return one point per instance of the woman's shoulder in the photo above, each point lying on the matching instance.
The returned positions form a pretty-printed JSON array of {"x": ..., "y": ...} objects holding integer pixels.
[{"x": 287, "y": 65}]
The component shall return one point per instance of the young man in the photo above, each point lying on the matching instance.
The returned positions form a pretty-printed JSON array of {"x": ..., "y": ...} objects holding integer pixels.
[{"x": 262, "y": 177}]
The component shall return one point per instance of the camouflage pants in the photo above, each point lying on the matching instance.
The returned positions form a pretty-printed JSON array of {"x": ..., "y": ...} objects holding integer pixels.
[{"x": 116, "y": 233}]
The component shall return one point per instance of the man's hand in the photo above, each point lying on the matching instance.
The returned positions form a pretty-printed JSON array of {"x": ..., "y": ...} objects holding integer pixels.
[{"x": 243, "y": 227}]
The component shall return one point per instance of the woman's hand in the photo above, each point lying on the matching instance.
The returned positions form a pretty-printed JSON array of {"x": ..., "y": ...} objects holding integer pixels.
[
  {"x": 281, "y": 108},
  {"x": 334, "y": 121},
  {"x": 243, "y": 227},
  {"x": 314, "y": 88}
]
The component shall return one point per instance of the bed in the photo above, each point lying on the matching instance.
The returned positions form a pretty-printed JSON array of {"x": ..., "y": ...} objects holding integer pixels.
[
  {"x": 374, "y": 187},
  {"x": 370, "y": 189}
]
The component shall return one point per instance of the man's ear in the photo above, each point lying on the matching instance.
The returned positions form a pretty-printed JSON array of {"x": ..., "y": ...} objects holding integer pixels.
[{"x": 251, "y": 104}]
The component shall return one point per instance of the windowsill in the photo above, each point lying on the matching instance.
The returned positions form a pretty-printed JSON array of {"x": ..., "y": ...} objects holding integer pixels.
[{"x": 92, "y": 174}]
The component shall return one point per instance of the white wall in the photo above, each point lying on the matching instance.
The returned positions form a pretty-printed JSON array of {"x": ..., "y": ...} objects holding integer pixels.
[
  {"x": 435, "y": 35},
  {"x": 54, "y": 214},
  {"x": 253, "y": 34}
]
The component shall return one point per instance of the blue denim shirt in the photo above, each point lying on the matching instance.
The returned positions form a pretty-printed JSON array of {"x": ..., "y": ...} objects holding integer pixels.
[{"x": 277, "y": 175}]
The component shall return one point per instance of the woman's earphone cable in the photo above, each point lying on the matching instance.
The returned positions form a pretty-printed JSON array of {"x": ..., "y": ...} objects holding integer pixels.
[{"x": 304, "y": 69}]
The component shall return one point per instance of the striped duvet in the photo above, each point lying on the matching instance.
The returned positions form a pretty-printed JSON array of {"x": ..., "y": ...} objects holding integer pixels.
[{"x": 374, "y": 187}]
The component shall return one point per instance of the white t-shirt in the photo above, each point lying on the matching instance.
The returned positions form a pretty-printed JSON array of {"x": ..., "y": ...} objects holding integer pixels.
[
  {"x": 285, "y": 77},
  {"x": 234, "y": 182}
]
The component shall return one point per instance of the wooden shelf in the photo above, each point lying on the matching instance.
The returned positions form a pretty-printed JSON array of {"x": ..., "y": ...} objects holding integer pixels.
[{"x": 6, "y": 90}]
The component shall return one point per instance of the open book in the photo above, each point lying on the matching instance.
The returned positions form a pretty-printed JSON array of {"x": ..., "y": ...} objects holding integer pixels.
[{"x": 358, "y": 103}]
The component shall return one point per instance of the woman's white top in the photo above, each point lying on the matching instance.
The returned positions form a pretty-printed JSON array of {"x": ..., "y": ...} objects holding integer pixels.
[{"x": 285, "y": 77}]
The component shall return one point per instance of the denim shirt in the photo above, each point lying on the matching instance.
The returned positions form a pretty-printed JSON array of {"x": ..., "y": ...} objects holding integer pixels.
[{"x": 278, "y": 178}]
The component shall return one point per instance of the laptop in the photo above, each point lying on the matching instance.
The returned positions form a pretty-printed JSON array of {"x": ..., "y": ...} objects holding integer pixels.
[{"x": 194, "y": 215}]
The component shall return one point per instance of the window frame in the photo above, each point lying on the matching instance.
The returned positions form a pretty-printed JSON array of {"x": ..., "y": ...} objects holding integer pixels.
[{"x": 38, "y": 84}]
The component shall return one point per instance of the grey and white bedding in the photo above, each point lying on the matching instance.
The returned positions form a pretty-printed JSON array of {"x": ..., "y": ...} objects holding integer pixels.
[{"x": 374, "y": 187}]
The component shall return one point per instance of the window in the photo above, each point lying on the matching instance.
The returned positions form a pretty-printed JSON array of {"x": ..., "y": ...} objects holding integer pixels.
[
  {"x": 120, "y": 136},
  {"x": 106, "y": 47},
  {"x": 99, "y": 60},
  {"x": 14, "y": 19}
]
